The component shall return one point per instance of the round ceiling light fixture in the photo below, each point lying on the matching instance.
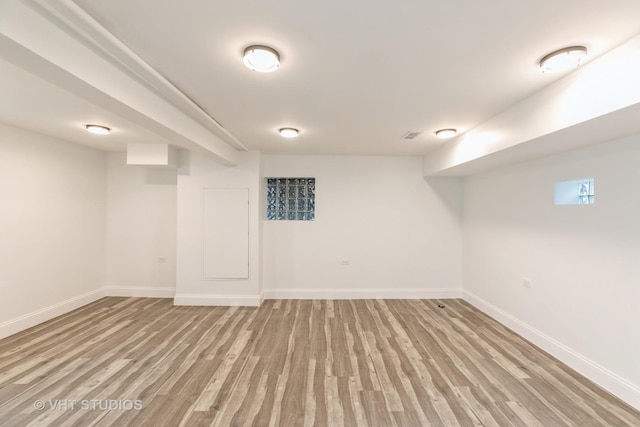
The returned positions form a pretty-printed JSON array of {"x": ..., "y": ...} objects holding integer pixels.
[
  {"x": 97, "y": 129},
  {"x": 261, "y": 58},
  {"x": 288, "y": 132},
  {"x": 563, "y": 59},
  {"x": 446, "y": 133}
]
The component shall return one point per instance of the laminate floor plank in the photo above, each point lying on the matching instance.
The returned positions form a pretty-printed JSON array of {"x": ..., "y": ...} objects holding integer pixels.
[{"x": 144, "y": 362}]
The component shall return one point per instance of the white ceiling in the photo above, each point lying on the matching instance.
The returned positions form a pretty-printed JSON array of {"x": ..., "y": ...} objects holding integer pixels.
[
  {"x": 30, "y": 102},
  {"x": 355, "y": 75}
]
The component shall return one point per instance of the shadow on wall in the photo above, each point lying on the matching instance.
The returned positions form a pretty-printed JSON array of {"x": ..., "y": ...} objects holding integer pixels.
[
  {"x": 449, "y": 190},
  {"x": 160, "y": 177},
  {"x": 184, "y": 162}
]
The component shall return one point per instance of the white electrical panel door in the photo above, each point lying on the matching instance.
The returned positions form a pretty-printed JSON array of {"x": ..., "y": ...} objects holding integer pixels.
[{"x": 226, "y": 234}]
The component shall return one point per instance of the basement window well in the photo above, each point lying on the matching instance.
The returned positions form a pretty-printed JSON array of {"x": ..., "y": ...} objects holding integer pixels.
[
  {"x": 292, "y": 199},
  {"x": 574, "y": 192}
]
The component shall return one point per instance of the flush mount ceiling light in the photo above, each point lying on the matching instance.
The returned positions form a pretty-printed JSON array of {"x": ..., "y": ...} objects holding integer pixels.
[
  {"x": 446, "y": 133},
  {"x": 261, "y": 58},
  {"x": 288, "y": 132},
  {"x": 97, "y": 129},
  {"x": 563, "y": 59}
]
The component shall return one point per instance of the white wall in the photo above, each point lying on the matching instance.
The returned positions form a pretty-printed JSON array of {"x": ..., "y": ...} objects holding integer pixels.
[
  {"x": 401, "y": 234},
  {"x": 141, "y": 229},
  {"x": 194, "y": 175},
  {"x": 583, "y": 260},
  {"x": 52, "y": 223}
]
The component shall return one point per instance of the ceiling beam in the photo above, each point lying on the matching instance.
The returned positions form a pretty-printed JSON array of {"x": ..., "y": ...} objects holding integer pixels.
[
  {"x": 71, "y": 50},
  {"x": 594, "y": 103}
]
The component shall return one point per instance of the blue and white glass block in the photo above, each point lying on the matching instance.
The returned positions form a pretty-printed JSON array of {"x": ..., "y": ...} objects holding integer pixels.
[{"x": 291, "y": 199}]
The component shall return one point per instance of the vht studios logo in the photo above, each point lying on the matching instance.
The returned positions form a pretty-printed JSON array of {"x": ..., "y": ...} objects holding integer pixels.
[{"x": 88, "y": 405}]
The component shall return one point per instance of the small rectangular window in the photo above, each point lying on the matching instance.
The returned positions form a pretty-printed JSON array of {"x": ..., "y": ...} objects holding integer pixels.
[
  {"x": 291, "y": 199},
  {"x": 575, "y": 192}
]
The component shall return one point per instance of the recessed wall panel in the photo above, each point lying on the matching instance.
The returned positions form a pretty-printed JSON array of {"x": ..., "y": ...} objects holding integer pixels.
[{"x": 226, "y": 234}]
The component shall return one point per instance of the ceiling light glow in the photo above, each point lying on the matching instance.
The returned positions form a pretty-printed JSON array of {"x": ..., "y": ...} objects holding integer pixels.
[
  {"x": 289, "y": 132},
  {"x": 563, "y": 59},
  {"x": 446, "y": 133},
  {"x": 261, "y": 58},
  {"x": 97, "y": 129}
]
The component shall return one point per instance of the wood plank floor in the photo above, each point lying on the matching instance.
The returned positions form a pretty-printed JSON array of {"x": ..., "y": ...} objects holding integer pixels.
[{"x": 144, "y": 362}]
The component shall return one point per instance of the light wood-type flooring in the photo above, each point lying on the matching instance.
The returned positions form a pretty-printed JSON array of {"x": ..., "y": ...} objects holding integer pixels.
[{"x": 290, "y": 363}]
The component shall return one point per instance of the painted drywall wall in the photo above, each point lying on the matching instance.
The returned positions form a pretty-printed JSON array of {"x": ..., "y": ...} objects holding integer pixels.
[
  {"x": 195, "y": 174},
  {"x": 141, "y": 229},
  {"x": 582, "y": 260},
  {"x": 400, "y": 234},
  {"x": 53, "y": 227}
]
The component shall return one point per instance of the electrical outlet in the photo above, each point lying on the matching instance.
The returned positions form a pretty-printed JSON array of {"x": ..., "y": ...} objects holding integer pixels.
[{"x": 526, "y": 282}]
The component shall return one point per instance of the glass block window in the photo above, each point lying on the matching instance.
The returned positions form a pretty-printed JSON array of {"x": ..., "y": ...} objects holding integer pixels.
[
  {"x": 292, "y": 199},
  {"x": 575, "y": 192}
]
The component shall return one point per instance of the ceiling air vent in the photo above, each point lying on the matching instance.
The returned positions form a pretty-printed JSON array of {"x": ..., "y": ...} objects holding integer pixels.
[{"x": 410, "y": 135}]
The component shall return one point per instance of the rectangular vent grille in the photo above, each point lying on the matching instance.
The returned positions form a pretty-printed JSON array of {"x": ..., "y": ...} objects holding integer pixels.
[{"x": 410, "y": 135}]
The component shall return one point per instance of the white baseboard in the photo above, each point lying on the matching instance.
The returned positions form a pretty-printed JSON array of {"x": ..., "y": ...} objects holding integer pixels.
[
  {"x": 29, "y": 320},
  {"x": 218, "y": 300},
  {"x": 600, "y": 375},
  {"x": 144, "y": 292},
  {"x": 362, "y": 293}
]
